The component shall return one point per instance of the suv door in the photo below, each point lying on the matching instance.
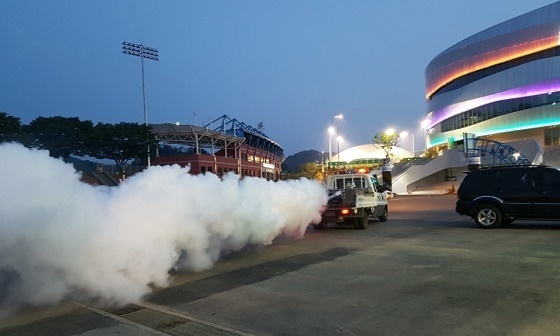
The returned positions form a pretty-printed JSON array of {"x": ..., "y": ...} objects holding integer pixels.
[
  {"x": 547, "y": 198},
  {"x": 516, "y": 188}
]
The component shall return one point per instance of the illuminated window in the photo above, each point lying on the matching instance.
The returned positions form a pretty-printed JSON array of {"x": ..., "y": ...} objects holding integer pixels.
[{"x": 496, "y": 109}]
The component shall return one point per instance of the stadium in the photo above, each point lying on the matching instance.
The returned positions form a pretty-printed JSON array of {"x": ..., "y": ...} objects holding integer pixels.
[{"x": 222, "y": 146}]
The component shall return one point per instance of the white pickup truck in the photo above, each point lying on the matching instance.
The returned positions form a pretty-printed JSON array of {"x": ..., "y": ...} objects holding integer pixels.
[{"x": 353, "y": 200}]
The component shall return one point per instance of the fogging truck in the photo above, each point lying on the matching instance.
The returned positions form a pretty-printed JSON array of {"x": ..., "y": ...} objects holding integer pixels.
[{"x": 353, "y": 200}]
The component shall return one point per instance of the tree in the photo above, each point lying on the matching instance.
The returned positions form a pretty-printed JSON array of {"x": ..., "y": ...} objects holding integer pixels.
[
  {"x": 121, "y": 142},
  {"x": 386, "y": 141},
  {"x": 10, "y": 128},
  {"x": 61, "y": 136},
  {"x": 310, "y": 170}
]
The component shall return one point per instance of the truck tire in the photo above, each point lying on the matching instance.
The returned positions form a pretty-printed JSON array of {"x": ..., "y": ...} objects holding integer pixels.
[
  {"x": 320, "y": 226},
  {"x": 362, "y": 222},
  {"x": 385, "y": 215}
]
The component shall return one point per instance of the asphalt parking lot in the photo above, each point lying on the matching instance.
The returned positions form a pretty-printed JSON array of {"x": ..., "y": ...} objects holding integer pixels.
[{"x": 426, "y": 271}]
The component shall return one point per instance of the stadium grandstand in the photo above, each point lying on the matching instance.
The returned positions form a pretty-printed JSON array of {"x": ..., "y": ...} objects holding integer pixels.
[{"x": 223, "y": 145}]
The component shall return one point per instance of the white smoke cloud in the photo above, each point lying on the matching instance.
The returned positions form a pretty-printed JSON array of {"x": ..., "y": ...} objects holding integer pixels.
[{"x": 60, "y": 237}]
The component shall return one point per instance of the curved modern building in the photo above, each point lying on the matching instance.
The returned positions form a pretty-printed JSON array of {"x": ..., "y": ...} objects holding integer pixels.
[{"x": 501, "y": 84}]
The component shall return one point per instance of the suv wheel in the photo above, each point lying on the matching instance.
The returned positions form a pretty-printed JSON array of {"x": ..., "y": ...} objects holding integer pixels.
[{"x": 487, "y": 217}]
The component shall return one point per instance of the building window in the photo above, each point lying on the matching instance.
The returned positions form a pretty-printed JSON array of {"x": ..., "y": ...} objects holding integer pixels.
[{"x": 496, "y": 109}]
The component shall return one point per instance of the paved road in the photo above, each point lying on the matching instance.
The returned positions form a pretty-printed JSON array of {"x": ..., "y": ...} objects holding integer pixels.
[{"x": 426, "y": 271}]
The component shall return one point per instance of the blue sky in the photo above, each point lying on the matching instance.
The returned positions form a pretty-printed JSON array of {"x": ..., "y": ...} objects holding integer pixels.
[{"x": 290, "y": 64}]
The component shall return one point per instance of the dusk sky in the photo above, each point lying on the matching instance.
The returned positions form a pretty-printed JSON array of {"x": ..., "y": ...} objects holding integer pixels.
[{"x": 291, "y": 65}]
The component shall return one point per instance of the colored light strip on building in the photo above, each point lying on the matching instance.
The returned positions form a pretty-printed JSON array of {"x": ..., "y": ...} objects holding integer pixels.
[
  {"x": 520, "y": 125},
  {"x": 479, "y": 62},
  {"x": 435, "y": 117}
]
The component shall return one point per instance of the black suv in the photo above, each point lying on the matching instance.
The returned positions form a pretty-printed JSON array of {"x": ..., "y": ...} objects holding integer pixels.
[{"x": 500, "y": 195}]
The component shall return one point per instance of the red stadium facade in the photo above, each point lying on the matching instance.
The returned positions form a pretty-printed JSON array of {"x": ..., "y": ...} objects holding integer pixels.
[{"x": 231, "y": 147}]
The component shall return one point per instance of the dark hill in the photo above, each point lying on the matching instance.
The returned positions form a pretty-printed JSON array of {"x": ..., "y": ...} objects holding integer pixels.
[{"x": 292, "y": 162}]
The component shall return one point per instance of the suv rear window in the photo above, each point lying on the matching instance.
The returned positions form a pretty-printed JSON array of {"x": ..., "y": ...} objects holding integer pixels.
[{"x": 479, "y": 180}]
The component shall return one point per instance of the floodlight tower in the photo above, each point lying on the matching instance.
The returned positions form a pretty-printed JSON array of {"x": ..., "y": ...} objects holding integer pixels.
[{"x": 142, "y": 52}]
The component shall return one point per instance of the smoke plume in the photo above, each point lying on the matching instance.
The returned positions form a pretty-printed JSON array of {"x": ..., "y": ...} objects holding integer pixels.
[{"x": 62, "y": 238}]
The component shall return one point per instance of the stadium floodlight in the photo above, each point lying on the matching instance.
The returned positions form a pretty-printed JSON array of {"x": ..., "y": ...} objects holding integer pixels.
[{"x": 142, "y": 51}]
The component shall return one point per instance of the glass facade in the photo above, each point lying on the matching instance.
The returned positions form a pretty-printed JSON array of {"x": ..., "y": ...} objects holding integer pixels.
[{"x": 496, "y": 109}]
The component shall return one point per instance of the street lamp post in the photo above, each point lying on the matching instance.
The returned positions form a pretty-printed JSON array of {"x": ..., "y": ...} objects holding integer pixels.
[
  {"x": 331, "y": 132},
  {"x": 338, "y": 117},
  {"x": 403, "y": 135},
  {"x": 424, "y": 126},
  {"x": 339, "y": 139},
  {"x": 142, "y": 52}
]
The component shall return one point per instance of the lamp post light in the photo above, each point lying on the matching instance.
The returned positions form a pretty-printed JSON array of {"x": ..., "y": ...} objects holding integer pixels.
[
  {"x": 142, "y": 52},
  {"x": 331, "y": 132}
]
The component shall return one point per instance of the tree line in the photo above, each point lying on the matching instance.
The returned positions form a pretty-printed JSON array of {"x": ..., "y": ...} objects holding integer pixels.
[{"x": 65, "y": 137}]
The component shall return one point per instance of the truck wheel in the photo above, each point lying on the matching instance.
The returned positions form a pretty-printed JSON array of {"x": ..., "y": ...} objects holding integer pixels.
[
  {"x": 487, "y": 217},
  {"x": 362, "y": 222},
  {"x": 320, "y": 226},
  {"x": 385, "y": 214}
]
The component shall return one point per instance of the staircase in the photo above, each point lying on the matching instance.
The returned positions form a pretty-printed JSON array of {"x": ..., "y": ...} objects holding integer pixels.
[{"x": 504, "y": 153}]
